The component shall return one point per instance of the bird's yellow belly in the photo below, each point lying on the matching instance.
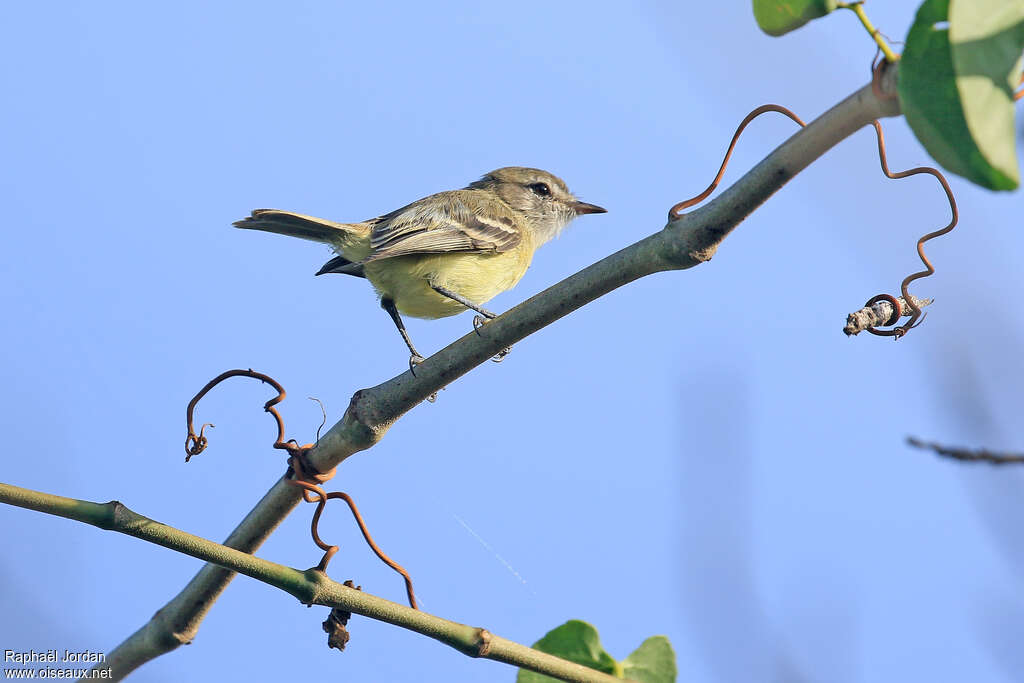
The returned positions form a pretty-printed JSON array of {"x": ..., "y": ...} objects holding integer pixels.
[{"x": 478, "y": 277}]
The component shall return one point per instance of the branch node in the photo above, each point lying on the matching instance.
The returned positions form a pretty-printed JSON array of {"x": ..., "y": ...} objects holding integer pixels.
[
  {"x": 703, "y": 255},
  {"x": 483, "y": 643}
]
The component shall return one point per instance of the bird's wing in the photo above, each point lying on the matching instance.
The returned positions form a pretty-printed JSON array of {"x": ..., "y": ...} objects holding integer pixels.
[{"x": 455, "y": 221}]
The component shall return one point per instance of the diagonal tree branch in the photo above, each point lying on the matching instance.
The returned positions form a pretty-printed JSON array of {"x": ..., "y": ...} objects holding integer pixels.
[{"x": 681, "y": 244}]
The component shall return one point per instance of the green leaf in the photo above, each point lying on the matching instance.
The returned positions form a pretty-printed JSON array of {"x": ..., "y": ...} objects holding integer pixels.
[
  {"x": 776, "y": 17},
  {"x": 576, "y": 641},
  {"x": 957, "y": 76},
  {"x": 653, "y": 662}
]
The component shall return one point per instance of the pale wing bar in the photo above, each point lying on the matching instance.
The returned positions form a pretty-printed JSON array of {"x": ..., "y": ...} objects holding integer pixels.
[{"x": 428, "y": 227}]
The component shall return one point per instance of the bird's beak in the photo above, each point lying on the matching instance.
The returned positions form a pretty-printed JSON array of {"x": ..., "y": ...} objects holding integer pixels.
[{"x": 582, "y": 207}]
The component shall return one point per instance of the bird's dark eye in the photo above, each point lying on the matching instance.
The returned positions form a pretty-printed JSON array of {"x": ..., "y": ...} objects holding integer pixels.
[{"x": 540, "y": 189}]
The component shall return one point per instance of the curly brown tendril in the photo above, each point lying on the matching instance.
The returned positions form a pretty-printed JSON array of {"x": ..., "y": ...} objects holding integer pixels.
[
  {"x": 674, "y": 213},
  {"x": 897, "y": 309},
  {"x": 878, "y": 67},
  {"x": 301, "y": 473},
  {"x": 916, "y": 314},
  {"x": 196, "y": 444},
  {"x": 309, "y": 490}
]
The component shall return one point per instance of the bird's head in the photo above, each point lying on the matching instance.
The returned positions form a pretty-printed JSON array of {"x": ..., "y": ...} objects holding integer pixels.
[{"x": 541, "y": 197}]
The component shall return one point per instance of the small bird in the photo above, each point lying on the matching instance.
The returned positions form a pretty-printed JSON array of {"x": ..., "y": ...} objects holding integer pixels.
[{"x": 447, "y": 252}]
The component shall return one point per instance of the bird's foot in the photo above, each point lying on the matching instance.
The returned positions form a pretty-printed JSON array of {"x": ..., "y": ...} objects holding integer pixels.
[
  {"x": 414, "y": 360},
  {"x": 478, "y": 322}
]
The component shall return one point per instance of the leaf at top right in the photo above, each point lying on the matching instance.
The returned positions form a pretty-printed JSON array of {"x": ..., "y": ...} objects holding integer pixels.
[{"x": 958, "y": 72}]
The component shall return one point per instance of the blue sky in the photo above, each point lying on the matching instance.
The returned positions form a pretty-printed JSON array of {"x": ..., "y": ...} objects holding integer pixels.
[{"x": 700, "y": 454}]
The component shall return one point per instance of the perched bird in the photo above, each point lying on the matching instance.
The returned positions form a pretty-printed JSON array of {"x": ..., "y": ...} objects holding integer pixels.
[{"x": 447, "y": 252}]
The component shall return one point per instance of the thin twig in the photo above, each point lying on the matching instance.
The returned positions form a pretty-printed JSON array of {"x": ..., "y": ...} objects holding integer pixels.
[{"x": 876, "y": 35}]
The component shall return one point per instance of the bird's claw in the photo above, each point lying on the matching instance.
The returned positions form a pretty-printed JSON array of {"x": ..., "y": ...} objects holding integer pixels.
[
  {"x": 414, "y": 360},
  {"x": 478, "y": 322}
]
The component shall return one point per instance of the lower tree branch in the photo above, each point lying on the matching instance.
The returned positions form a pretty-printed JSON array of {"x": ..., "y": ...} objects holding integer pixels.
[
  {"x": 683, "y": 243},
  {"x": 311, "y": 587}
]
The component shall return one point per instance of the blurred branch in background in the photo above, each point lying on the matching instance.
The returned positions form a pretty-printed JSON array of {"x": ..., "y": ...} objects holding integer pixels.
[
  {"x": 733, "y": 629},
  {"x": 978, "y": 404},
  {"x": 967, "y": 454}
]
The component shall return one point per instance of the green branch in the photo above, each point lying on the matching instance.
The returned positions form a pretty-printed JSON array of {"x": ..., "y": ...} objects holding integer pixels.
[{"x": 311, "y": 587}]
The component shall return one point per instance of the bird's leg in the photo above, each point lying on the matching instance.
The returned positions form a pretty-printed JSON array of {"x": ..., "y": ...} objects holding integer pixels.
[
  {"x": 462, "y": 300},
  {"x": 478, "y": 321},
  {"x": 389, "y": 306}
]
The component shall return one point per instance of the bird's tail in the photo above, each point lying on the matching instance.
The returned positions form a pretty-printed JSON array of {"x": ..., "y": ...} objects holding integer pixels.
[{"x": 306, "y": 227}]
